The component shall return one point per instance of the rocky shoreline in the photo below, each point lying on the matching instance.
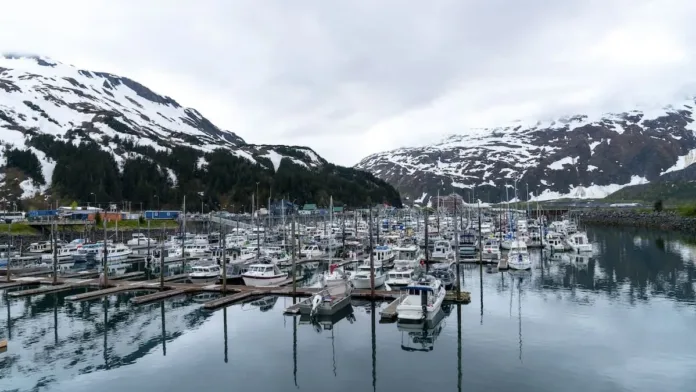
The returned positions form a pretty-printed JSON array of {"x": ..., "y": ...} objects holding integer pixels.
[{"x": 666, "y": 220}]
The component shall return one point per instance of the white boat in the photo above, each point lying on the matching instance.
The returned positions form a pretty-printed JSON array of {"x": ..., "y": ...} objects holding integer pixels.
[
  {"x": 263, "y": 275},
  {"x": 383, "y": 255},
  {"x": 578, "y": 242},
  {"x": 362, "y": 278},
  {"x": 205, "y": 273},
  {"x": 406, "y": 257},
  {"x": 491, "y": 250},
  {"x": 311, "y": 251},
  {"x": 335, "y": 276},
  {"x": 518, "y": 257},
  {"x": 235, "y": 270},
  {"x": 397, "y": 278},
  {"x": 196, "y": 249},
  {"x": 64, "y": 253},
  {"x": 41, "y": 247},
  {"x": 138, "y": 239},
  {"x": 554, "y": 242},
  {"x": 442, "y": 251},
  {"x": 412, "y": 307}
]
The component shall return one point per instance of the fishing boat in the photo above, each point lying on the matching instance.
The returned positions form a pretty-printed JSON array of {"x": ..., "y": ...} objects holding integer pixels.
[
  {"x": 311, "y": 251},
  {"x": 467, "y": 246},
  {"x": 491, "y": 249},
  {"x": 423, "y": 299},
  {"x": 204, "y": 273},
  {"x": 518, "y": 257},
  {"x": 554, "y": 242},
  {"x": 398, "y": 278},
  {"x": 138, "y": 239},
  {"x": 384, "y": 255},
  {"x": 362, "y": 278},
  {"x": 578, "y": 242},
  {"x": 324, "y": 303},
  {"x": 263, "y": 274},
  {"x": 442, "y": 251}
]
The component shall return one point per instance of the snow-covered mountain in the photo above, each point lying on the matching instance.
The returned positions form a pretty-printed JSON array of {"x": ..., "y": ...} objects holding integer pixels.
[
  {"x": 575, "y": 157},
  {"x": 42, "y": 96}
]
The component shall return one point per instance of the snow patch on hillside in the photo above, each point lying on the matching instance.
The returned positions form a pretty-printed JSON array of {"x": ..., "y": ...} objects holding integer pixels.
[
  {"x": 683, "y": 162},
  {"x": 590, "y": 192}
]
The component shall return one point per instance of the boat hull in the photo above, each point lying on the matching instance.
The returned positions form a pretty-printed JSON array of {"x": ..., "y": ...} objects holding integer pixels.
[
  {"x": 414, "y": 313},
  {"x": 364, "y": 283},
  {"x": 204, "y": 279},
  {"x": 263, "y": 281}
]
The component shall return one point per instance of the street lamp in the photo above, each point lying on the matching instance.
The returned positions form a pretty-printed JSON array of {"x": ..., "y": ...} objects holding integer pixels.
[{"x": 95, "y": 198}]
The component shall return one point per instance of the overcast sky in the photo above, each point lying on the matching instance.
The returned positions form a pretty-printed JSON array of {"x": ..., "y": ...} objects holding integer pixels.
[{"x": 350, "y": 78}]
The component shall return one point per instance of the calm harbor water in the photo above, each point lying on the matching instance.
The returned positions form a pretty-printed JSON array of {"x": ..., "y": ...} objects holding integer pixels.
[{"x": 621, "y": 320}]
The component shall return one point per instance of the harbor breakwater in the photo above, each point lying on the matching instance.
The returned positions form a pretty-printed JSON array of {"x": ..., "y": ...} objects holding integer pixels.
[{"x": 665, "y": 220}]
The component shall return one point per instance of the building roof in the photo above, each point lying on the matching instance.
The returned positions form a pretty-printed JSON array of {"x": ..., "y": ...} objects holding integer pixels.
[
  {"x": 338, "y": 209},
  {"x": 309, "y": 207}
]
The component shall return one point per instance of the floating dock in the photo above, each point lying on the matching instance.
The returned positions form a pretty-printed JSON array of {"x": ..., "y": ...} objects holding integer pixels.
[
  {"x": 503, "y": 264},
  {"x": 229, "y": 300},
  {"x": 389, "y": 314}
]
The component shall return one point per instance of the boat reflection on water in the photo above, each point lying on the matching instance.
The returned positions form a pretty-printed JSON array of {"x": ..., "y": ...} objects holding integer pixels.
[
  {"x": 265, "y": 303},
  {"x": 421, "y": 336},
  {"x": 325, "y": 322}
]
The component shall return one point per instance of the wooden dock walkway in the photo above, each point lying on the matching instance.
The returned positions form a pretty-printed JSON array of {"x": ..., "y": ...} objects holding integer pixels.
[
  {"x": 158, "y": 296},
  {"x": 503, "y": 264},
  {"x": 229, "y": 300},
  {"x": 128, "y": 276},
  {"x": 19, "y": 283},
  {"x": 389, "y": 314},
  {"x": 47, "y": 289}
]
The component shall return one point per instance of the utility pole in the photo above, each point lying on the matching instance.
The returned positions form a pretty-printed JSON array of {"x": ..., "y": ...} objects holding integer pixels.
[
  {"x": 54, "y": 228},
  {"x": 105, "y": 270},
  {"x": 456, "y": 248},
  {"x": 427, "y": 249},
  {"x": 294, "y": 279},
  {"x": 372, "y": 261},
  {"x": 224, "y": 262},
  {"x": 162, "y": 260}
]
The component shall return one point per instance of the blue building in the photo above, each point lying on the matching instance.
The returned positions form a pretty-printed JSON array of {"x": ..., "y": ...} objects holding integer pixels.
[{"x": 162, "y": 214}]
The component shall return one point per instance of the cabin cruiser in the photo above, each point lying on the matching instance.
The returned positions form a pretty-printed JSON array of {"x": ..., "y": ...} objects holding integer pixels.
[
  {"x": 362, "y": 278},
  {"x": 424, "y": 297},
  {"x": 578, "y": 242},
  {"x": 209, "y": 273},
  {"x": 442, "y": 251},
  {"x": 196, "y": 249},
  {"x": 235, "y": 269},
  {"x": 263, "y": 274},
  {"x": 41, "y": 247},
  {"x": 518, "y": 257},
  {"x": 139, "y": 239},
  {"x": 554, "y": 242},
  {"x": 397, "y": 278},
  {"x": 491, "y": 249},
  {"x": 311, "y": 251},
  {"x": 63, "y": 253},
  {"x": 383, "y": 255},
  {"x": 467, "y": 246}
]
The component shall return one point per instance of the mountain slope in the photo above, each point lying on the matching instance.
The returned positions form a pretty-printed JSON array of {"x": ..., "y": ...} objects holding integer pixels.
[
  {"x": 53, "y": 117},
  {"x": 578, "y": 157}
]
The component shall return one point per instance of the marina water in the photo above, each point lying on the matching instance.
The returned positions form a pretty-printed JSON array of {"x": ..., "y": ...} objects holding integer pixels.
[{"x": 621, "y": 320}]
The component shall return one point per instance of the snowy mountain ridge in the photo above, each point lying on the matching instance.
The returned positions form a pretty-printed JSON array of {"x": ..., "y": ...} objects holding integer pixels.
[
  {"x": 42, "y": 96},
  {"x": 572, "y": 157}
]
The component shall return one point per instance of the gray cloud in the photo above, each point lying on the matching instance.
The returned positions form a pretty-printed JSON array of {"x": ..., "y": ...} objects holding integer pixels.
[{"x": 350, "y": 78}]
